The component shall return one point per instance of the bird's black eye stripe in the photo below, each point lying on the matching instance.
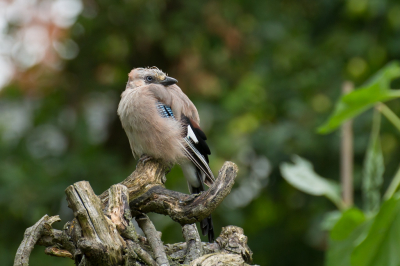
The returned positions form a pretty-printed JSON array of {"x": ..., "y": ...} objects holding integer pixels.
[{"x": 149, "y": 78}]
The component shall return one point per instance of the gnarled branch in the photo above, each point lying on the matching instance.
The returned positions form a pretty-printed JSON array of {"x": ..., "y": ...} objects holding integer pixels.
[
  {"x": 194, "y": 249},
  {"x": 148, "y": 194},
  {"x": 31, "y": 236},
  {"x": 154, "y": 239},
  {"x": 101, "y": 241},
  {"x": 102, "y": 232}
]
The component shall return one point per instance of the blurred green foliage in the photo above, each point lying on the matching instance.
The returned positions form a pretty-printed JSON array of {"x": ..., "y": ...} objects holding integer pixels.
[
  {"x": 356, "y": 237},
  {"x": 377, "y": 89},
  {"x": 301, "y": 176},
  {"x": 262, "y": 75}
]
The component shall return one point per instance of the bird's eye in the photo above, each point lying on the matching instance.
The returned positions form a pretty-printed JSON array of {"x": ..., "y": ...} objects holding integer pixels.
[{"x": 149, "y": 78}]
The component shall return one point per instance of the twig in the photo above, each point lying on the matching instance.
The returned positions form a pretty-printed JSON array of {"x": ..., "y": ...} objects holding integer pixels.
[
  {"x": 193, "y": 243},
  {"x": 346, "y": 166},
  {"x": 136, "y": 249},
  {"x": 154, "y": 239},
  {"x": 177, "y": 251},
  {"x": 31, "y": 236},
  {"x": 57, "y": 252}
]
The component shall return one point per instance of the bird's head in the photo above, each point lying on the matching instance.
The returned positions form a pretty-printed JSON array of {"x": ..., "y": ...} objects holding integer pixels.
[{"x": 145, "y": 76}]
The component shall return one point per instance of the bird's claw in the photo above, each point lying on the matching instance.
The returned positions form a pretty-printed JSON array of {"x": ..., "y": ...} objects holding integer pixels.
[{"x": 145, "y": 158}]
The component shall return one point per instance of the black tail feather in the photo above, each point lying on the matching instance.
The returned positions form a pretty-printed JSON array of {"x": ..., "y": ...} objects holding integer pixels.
[{"x": 207, "y": 228}]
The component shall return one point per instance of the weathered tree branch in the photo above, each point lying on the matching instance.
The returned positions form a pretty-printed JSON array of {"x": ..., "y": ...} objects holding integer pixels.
[
  {"x": 230, "y": 249},
  {"x": 31, "y": 236},
  {"x": 233, "y": 240},
  {"x": 193, "y": 243},
  {"x": 225, "y": 259},
  {"x": 146, "y": 175},
  {"x": 152, "y": 196},
  {"x": 101, "y": 242},
  {"x": 54, "y": 251},
  {"x": 119, "y": 213},
  {"x": 102, "y": 232},
  {"x": 138, "y": 252},
  {"x": 154, "y": 238}
]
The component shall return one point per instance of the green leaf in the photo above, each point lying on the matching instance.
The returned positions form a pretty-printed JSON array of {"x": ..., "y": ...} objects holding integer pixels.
[
  {"x": 330, "y": 219},
  {"x": 373, "y": 168},
  {"x": 301, "y": 175},
  {"x": 350, "y": 219},
  {"x": 377, "y": 89},
  {"x": 380, "y": 247},
  {"x": 394, "y": 184},
  {"x": 389, "y": 114},
  {"x": 345, "y": 235}
]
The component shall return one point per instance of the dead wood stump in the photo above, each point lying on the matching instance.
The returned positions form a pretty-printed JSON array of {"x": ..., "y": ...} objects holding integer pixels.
[{"x": 102, "y": 232}]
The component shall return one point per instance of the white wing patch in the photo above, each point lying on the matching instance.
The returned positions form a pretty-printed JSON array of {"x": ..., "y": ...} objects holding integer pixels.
[
  {"x": 191, "y": 135},
  {"x": 203, "y": 165}
]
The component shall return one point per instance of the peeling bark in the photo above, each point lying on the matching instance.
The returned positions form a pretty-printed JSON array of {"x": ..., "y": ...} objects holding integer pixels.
[
  {"x": 233, "y": 240},
  {"x": 154, "y": 238},
  {"x": 101, "y": 242},
  {"x": 147, "y": 194},
  {"x": 146, "y": 175},
  {"x": 219, "y": 259},
  {"x": 54, "y": 251},
  {"x": 31, "y": 236},
  {"x": 102, "y": 232},
  {"x": 193, "y": 243}
]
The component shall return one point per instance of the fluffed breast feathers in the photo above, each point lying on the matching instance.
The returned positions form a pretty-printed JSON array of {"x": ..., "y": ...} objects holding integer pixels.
[{"x": 147, "y": 131}]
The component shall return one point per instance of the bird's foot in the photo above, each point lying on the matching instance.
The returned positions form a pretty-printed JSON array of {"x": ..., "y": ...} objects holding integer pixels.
[{"x": 145, "y": 158}]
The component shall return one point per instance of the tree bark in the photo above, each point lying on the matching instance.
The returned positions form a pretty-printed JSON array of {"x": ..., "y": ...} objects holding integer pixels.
[
  {"x": 31, "y": 236},
  {"x": 154, "y": 239},
  {"x": 148, "y": 194},
  {"x": 193, "y": 243},
  {"x": 101, "y": 242},
  {"x": 102, "y": 232}
]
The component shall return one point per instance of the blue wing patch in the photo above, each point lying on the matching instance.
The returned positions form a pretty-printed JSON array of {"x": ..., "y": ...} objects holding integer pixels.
[{"x": 164, "y": 110}]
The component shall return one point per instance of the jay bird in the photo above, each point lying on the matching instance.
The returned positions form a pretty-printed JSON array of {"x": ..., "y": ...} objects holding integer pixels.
[{"x": 161, "y": 122}]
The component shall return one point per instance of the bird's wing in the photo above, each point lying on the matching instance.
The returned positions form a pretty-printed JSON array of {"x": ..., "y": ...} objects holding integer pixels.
[
  {"x": 164, "y": 110},
  {"x": 196, "y": 148}
]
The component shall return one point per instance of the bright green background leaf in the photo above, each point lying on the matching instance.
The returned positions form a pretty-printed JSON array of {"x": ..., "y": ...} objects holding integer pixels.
[
  {"x": 373, "y": 168},
  {"x": 301, "y": 175},
  {"x": 350, "y": 219},
  {"x": 330, "y": 219},
  {"x": 377, "y": 89},
  {"x": 381, "y": 246},
  {"x": 345, "y": 235}
]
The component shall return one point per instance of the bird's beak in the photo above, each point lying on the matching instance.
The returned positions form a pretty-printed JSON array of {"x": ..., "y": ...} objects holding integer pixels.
[{"x": 168, "y": 81}]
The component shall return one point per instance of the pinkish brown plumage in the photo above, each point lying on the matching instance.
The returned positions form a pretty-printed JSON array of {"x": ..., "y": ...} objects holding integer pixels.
[
  {"x": 147, "y": 131},
  {"x": 161, "y": 122}
]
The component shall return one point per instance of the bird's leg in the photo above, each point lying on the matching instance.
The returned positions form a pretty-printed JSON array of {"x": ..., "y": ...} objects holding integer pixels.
[{"x": 145, "y": 158}]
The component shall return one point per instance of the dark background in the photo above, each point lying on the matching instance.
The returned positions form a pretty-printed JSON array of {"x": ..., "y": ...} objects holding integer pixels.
[{"x": 263, "y": 75}]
